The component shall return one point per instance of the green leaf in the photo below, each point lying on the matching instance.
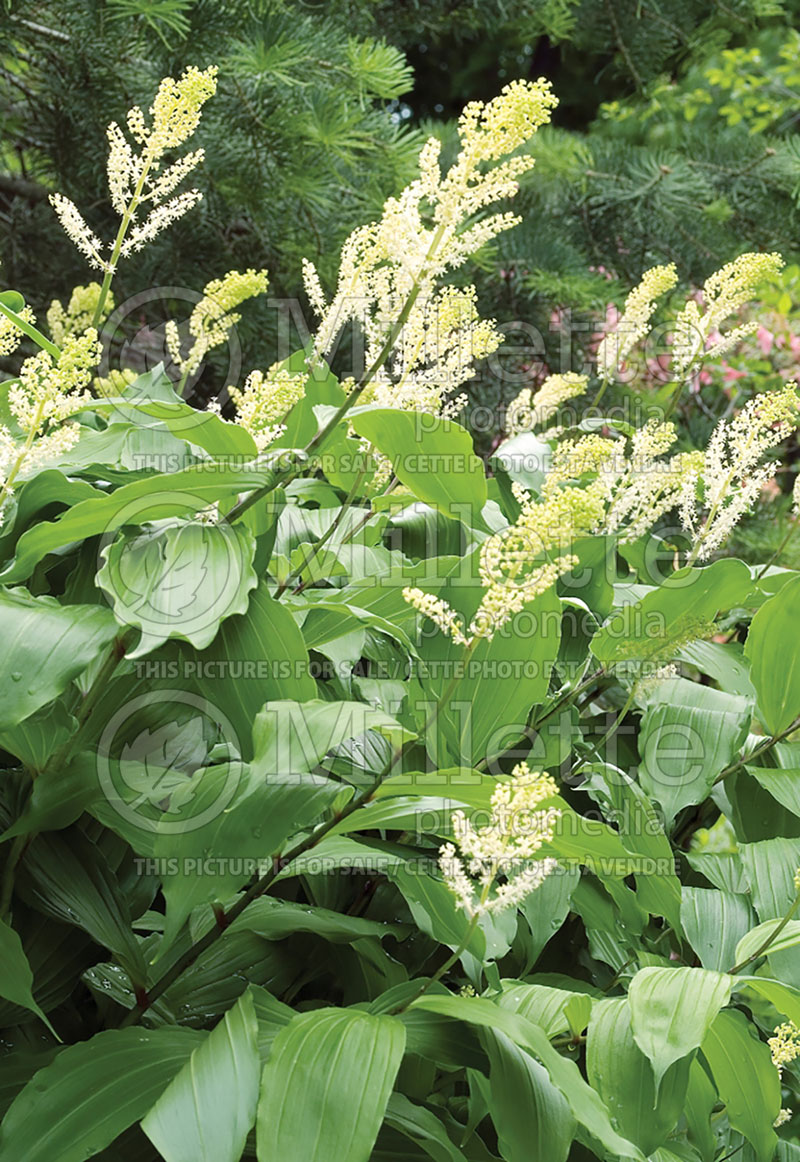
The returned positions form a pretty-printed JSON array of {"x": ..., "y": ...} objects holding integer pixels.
[
  {"x": 48, "y": 490},
  {"x": 292, "y": 737},
  {"x": 556, "y": 1010},
  {"x": 487, "y": 701},
  {"x": 256, "y": 657},
  {"x": 671, "y": 1009},
  {"x": 422, "y": 1127},
  {"x": 788, "y": 937},
  {"x": 45, "y": 646},
  {"x": 770, "y": 867},
  {"x": 74, "y": 1108},
  {"x": 235, "y": 821},
  {"x": 746, "y": 1080},
  {"x": 436, "y": 912},
  {"x": 782, "y": 784},
  {"x": 325, "y": 1086},
  {"x": 660, "y": 623},
  {"x": 152, "y": 498},
  {"x": 701, "y": 1097},
  {"x": 771, "y": 647},
  {"x": 205, "y": 429},
  {"x": 66, "y": 876},
  {"x": 531, "y": 1116},
  {"x": 623, "y": 1076},
  {"x": 431, "y": 456},
  {"x": 714, "y": 922},
  {"x": 16, "y": 978},
  {"x": 178, "y": 580},
  {"x": 207, "y": 1110},
  {"x": 689, "y": 734},
  {"x": 586, "y": 1105}
]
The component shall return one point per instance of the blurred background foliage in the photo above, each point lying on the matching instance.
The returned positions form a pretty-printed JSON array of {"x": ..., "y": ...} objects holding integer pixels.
[{"x": 675, "y": 140}]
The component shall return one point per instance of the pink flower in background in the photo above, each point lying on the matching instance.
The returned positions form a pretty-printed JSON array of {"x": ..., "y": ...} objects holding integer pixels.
[
  {"x": 765, "y": 340},
  {"x": 731, "y": 373}
]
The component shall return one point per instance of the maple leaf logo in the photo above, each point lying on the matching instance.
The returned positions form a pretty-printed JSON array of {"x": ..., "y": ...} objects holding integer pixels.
[{"x": 158, "y": 765}]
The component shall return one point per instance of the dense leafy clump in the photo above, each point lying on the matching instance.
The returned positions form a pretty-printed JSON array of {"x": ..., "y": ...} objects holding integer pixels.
[{"x": 361, "y": 799}]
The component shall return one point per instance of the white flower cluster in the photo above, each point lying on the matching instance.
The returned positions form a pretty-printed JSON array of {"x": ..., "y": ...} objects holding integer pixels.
[
  {"x": 696, "y": 333},
  {"x": 532, "y": 409},
  {"x": 634, "y": 322},
  {"x": 264, "y": 402},
  {"x": 726, "y": 484},
  {"x": 46, "y": 393},
  {"x": 636, "y": 484},
  {"x": 435, "y": 354},
  {"x": 136, "y": 178},
  {"x": 388, "y": 270},
  {"x": 213, "y": 318},
  {"x": 505, "y": 848}
]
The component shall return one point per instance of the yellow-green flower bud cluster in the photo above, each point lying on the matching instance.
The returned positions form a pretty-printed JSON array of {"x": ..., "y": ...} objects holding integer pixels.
[
  {"x": 634, "y": 322},
  {"x": 724, "y": 293},
  {"x": 264, "y": 402},
  {"x": 532, "y": 409},
  {"x": 47, "y": 392},
  {"x": 214, "y": 316},
  {"x": 732, "y": 474},
  {"x": 79, "y": 312},
  {"x": 388, "y": 270}
]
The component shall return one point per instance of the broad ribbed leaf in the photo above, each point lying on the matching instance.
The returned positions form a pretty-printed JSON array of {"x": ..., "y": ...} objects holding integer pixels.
[
  {"x": 665, "y": 619},
  {"x": 531, "y": 1117},
  {"x": 45, "y": 646},
  {"x": 148, "y": 499},
  {"x": 746, "y": 1080},
  {"x": 256, "y": 657},
  {"x": 74, "y": 1108},
  {"x": 714, "y": 922},
  {"x": 422, "y": 1127},
  {"x": 292, "y": 737},
  {"x": 325, "y": 1086},
  {"x": 248, "y": 820},
  {"x": 671, "y": 1009},
  {"x": 774, "y": 658},
  {"x": 770, "y": 867},
  {"x": 586, "y": 1105},
  {"x": 787, "y": 937},
  {"x": 179, "y": 579},
  {"x": 623, "y": 1077},
  {"x": 16, "y": 978},
  {"x": 205, "y": 1113},
  {"x": 689, "y": 733},
  {"x": 433, "y": 457}
]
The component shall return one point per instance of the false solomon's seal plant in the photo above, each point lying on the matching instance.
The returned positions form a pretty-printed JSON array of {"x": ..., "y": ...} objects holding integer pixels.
[{"x": 361, "y": 802}]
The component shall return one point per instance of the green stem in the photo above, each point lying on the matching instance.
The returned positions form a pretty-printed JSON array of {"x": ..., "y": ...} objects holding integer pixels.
[
  {"x": 454, "y": 957},
  {"x": 255, "y": 890},
  {"x": 326, "y": 536},
  {"x": 32, "y": 332},
  {"x": 779, "y": 550},
  {"x": 315, "y": 444},
  {"x": 770, "y": 940},
  {"x": 111, "y": 266},
  {"x": 265, "y": 882},
  {"x": 761, "y": 749}
]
